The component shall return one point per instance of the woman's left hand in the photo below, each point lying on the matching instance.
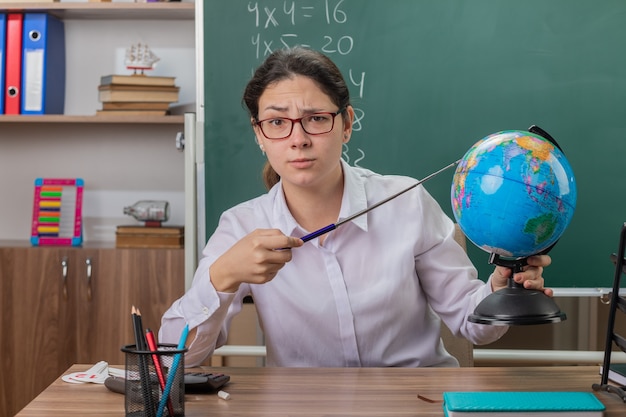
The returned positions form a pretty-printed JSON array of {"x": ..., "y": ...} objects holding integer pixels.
[{"x": 530, "y": 277}]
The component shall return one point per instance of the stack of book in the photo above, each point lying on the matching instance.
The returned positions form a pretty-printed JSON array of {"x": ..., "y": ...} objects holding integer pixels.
[
  {"x": 617, "y": 373},
  {"x": 133, "y": 95}
]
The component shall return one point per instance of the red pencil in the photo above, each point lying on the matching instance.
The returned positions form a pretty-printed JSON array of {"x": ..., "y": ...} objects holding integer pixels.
[{"x": 152, "y": 345}]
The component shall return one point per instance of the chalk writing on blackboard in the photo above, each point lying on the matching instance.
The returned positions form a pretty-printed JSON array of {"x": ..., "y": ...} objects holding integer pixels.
[
  {"x": 275, "y": 25},
  {"x": 269, "y": 21},
  {"x": 346, "y": 155}
]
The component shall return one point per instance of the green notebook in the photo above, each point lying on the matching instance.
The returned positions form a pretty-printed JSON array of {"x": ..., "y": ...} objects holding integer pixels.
[
  {"x": 617, "y": 373},
  {"x": 525, "y": 403}
]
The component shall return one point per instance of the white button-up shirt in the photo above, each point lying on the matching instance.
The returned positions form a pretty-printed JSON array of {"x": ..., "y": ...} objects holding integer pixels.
[{"x": 372, "y": 295}]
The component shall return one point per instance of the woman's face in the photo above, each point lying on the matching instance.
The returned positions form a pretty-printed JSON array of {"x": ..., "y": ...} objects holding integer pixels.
[{"x": 301, "y": 159}]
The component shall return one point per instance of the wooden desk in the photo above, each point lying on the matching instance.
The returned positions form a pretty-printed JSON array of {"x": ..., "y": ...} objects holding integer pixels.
[{"x": 281, "y": 392}]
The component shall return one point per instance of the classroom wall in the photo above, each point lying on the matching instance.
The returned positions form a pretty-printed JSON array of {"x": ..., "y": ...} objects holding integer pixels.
[
  {"x": 120, "y": 163},
  {"x": 584, "y": 329}
]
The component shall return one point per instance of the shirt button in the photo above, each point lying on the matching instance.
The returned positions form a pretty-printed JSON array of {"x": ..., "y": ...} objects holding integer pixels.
[{"x": 205, "y": 311}]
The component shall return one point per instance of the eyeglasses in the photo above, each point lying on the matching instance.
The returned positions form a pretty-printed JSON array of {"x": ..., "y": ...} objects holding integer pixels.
[{"x": 313, "y": 124}]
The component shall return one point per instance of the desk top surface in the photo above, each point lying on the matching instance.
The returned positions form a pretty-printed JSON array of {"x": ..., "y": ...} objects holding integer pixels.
[{"x": 276, "y": 392}]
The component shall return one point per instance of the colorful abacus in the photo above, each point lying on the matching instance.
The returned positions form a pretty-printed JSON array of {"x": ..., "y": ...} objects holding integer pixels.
[{"x": 57, "y": 212}]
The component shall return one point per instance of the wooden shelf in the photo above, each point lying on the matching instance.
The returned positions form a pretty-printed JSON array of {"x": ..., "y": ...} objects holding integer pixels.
[
  {"x": 60, "y": 118},
  {"x": 25, "y": 243},
  {"x": 103, "y": 11},
  {"x": 107, "y": 11}
]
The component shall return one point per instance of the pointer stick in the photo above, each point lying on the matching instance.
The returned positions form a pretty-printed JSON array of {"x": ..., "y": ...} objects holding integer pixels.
[{"x": 333, "y": 226}]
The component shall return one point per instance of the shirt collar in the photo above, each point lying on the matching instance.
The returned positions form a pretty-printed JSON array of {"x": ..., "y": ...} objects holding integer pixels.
[
  {"x": 353, "y": 201},
  {"x": 354, "y": 196}
]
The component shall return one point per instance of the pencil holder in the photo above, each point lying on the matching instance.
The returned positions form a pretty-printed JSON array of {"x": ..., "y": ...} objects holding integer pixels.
[{"x": 155, "y": 385}]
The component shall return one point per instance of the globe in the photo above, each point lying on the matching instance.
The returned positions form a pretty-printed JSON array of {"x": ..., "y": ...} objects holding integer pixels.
[{"x": 513, "y": 194}]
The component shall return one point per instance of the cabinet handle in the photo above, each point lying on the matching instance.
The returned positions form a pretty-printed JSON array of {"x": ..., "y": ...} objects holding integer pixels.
[
  {"x": 64, "y": 270},
  {"x": 88, "y": 263}
]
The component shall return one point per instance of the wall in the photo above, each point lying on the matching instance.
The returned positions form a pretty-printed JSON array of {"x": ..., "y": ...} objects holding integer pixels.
[{"x": 121, "y": 163}]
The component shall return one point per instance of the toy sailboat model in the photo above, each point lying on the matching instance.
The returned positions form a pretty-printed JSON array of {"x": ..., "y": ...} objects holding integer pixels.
[{"x": 139, "y": 57}]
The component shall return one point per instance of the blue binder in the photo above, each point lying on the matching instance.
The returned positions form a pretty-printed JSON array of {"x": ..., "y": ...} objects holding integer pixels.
[
  {"x": 3, "y": 40},
  {"x": 43, "y": 65}
]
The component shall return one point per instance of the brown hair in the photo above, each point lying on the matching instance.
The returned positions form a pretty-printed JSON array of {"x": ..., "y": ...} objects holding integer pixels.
[{"x": 286, "y": 63}]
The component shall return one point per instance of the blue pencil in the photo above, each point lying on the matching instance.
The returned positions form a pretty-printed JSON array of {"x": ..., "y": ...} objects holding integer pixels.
[{"x": 172, "y": 373}]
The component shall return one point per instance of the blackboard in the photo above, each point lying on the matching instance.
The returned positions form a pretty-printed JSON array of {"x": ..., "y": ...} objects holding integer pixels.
[{"x": 428, "y": 79}]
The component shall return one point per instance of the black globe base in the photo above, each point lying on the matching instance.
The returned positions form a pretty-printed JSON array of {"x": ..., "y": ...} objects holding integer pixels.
[{"x": 515, "y": 305}]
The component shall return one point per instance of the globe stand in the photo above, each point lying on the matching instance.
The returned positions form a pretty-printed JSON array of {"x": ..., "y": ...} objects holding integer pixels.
[{"x": 516, "y": 305}]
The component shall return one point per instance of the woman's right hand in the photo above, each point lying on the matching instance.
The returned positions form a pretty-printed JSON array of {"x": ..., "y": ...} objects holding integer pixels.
[{"x": 255, "y": 259}]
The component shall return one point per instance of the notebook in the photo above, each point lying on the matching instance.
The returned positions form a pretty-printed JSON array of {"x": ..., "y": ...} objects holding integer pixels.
[
  {"x": 617, "y": 373},
  {"x": 519, "y": 404}
]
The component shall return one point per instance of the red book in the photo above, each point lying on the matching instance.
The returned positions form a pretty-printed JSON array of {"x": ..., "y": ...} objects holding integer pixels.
[{"x": 13, "y": 69}]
